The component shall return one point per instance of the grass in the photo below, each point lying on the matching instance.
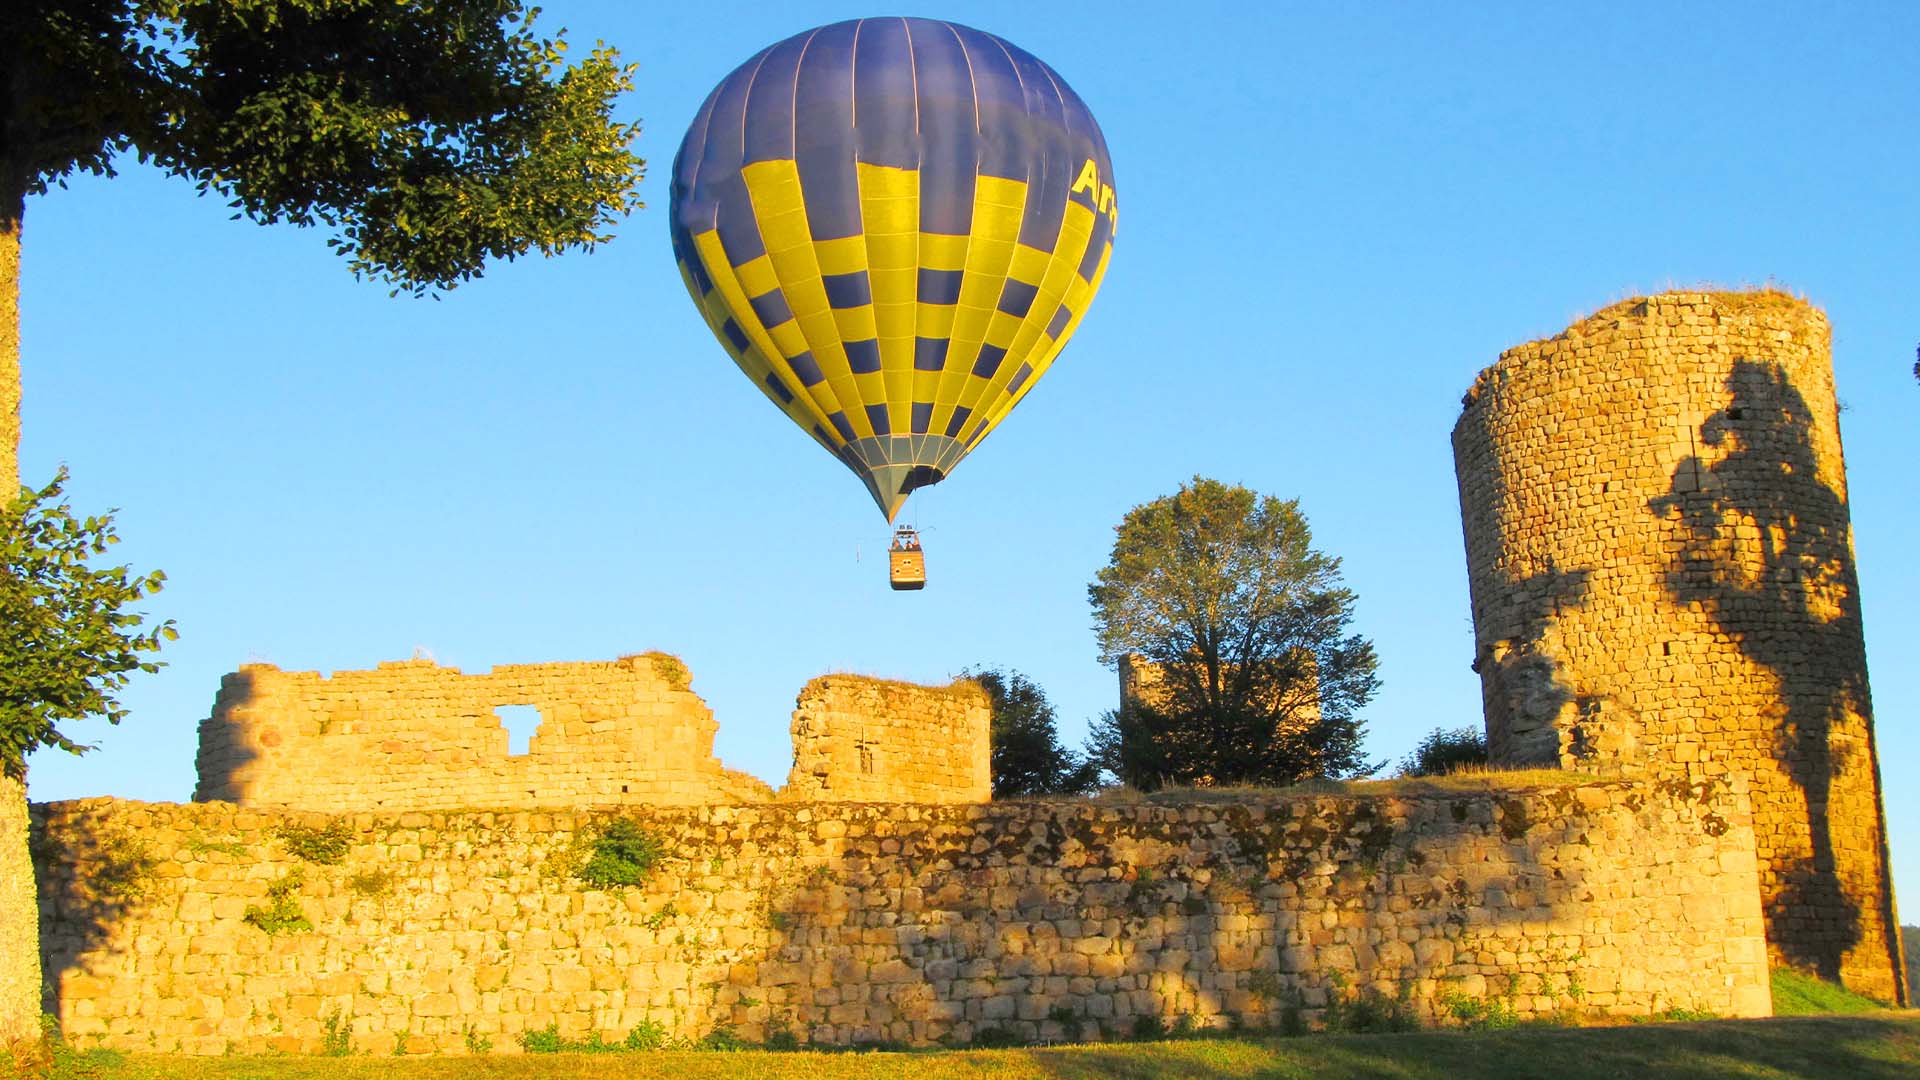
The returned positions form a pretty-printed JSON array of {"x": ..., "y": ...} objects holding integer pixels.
[
  {"x": 1472, "y": 779},
  {"x": 1879, "y": 1046},
  {"x": 1795, "y": 994}
]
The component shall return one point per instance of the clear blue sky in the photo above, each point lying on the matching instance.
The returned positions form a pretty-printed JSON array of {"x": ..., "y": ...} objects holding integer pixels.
[{"x": 1333, "y": 217}]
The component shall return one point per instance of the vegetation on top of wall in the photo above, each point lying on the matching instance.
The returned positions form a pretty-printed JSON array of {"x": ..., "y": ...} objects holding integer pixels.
[
  {"x": 326, "y": 845},
  {"x": 1463, "y": 781},
  {"x": 670, "y": 669},
  {"x": 960, "y": 685},
  {"x": 1446, "y": 750}
]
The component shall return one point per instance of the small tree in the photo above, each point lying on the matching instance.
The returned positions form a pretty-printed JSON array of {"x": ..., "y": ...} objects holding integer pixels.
[
  {"x": 68, "y": 645},
  {"x": 1028, "y": 758},
  {"x": 1220, "y": 589},
  {"x": 1446, "y": 750}
]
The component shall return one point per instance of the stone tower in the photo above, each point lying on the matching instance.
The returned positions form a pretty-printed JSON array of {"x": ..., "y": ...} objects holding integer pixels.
[{"x": 1661, "y": 564}]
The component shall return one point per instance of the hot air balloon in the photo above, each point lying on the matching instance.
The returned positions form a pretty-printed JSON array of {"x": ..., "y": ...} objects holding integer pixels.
[{"x": 892, "y": 226}]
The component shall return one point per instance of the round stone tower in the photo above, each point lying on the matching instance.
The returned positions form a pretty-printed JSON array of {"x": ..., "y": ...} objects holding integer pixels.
[{"x": 1661, "y": 563}]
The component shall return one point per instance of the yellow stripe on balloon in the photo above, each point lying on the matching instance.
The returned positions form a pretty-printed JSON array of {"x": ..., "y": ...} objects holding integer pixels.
[
  {"x": 841, "y": 256},
  {"x": 1076, "y": 229},
  {"x": 779, "y": 208},
  {"x": 890, "y": 214},
  {"x": 732, "y": 302},
  {"x": 998, "y": 205},
  {"x": 1079, "y": 297}
]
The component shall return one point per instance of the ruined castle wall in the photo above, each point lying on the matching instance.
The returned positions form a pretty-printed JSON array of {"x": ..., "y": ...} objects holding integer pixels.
[
  {"x": 1662, "y": 574},
  {"x": 846, "y": 922},
  {"x": 1143, "y": 681},
  {"x": 857, "y": 739},
  {"x": 414, "y": 735}
]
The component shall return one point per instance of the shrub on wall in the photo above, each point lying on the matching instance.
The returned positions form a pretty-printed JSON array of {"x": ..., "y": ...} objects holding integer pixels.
[
  {"x": 326, "y": 846},
  {"x": 125, "y": 870},
  {"x": 670, "y": 669},
  {"x": 619, "y": 853},
  {"x": 1446, "y": 750},
  {"x": 622, "y": 853},
  {"x": 283, "y": 914}
]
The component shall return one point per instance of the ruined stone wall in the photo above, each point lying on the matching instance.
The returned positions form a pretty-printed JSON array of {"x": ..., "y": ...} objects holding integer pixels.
[
  {"x": 414, "y": 735},
  {"x": 857, "y": 739},
  {"x": 1661, "y": 565},
  {"x": 1142, "y": 680},
  {"x": 443, "y": 932}
]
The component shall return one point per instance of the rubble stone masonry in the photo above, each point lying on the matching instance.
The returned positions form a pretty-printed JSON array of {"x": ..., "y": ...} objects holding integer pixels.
[
  {"x": 857, "y": 922},
  {"x": 857, "y": 739},
  {"x": 1661, "y": 564},
  {"x": 412, "y": 735}
]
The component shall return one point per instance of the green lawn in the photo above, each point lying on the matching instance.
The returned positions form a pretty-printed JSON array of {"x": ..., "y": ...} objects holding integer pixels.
[
  {"x": 1880, "y": 1046},
  {"x": 1795, "y": 994}
]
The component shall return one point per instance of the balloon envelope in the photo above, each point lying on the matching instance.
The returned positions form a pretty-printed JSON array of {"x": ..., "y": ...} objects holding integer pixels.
[{"x": 892, "y": 226}]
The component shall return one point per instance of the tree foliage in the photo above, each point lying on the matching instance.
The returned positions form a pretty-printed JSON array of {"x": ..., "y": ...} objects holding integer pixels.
[
  {"x": 1028, "y": 758},
  {"x": 69, "y": 644},
  {"x": 429, "y": 135},
  {"x": 1446, "y": 750},
  {"x": 1259, "y": 681}
]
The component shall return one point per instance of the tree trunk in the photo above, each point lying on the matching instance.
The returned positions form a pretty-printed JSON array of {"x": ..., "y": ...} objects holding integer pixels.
[
  {"x": 19, "y": 921},
  {"x": 12, "y": 204},
  {"x": 19, "y": 906}
]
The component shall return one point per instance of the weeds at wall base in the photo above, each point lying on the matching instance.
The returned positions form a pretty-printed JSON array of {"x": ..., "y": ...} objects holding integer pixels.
[
  {"x": 646, "y": 1035},
  {"x": 338, "y": 1038},
  {"x": 50, "y": 1055}
]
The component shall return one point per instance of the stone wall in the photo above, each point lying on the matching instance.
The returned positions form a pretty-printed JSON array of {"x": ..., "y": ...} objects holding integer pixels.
[
  {"x": 857, "y": 739},
  {"x": 443, "y": 932},
  {"x": 412, "y": 735},
  {"x": 415, "y": 735},
  {"x": 1143, "y": 681},
  {"x": 1661, "y": 565}
]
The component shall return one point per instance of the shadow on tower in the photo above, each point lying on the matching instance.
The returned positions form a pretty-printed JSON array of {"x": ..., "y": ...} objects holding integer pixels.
[{"x": 1764, "y": 552}]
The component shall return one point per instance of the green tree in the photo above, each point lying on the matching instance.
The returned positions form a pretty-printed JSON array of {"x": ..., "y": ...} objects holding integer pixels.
[
  {"x": 69, "y": 644},
  {"x": 1445, "y": 750},
  {"x": 426, "y": 136},
  {"x": 1258, "y": 680},
  {"x": 1028, "y": 758},
  {"x": 68, "y": 647}
]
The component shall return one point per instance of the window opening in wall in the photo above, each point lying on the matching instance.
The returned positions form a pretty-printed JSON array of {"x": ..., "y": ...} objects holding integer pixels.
[
  {"x": 866, "y": 759},
  {"x": 521, "y": 721}
]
